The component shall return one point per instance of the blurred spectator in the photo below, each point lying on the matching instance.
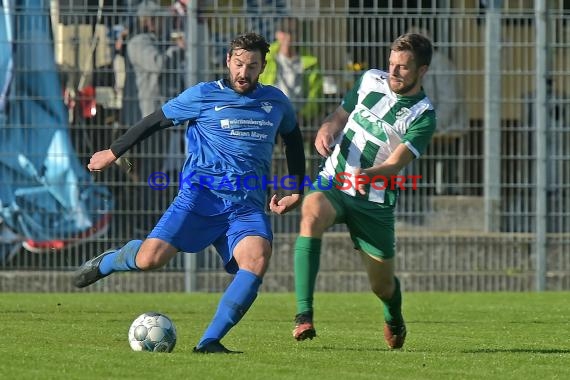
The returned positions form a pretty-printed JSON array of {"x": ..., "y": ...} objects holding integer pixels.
[
  {"x": 156, "y": 55},
  {"x": 442, "y": 86},
  {"x": 150, "y": 61},
  {"x": 159, "y": 72},
  {"x": 294, "y": 70}
]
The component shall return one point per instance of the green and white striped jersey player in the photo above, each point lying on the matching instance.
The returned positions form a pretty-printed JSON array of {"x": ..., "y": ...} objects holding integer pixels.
[
  {"x": 383, "y": 124},
  {"x": 379, "y": 121}
]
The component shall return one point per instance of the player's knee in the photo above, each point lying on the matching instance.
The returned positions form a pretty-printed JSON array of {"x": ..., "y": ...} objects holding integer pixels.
[
  {"x": 255, "y": 263},
  {"x": 151, "y": 259},
  {"x": 383, "y": 289},
  {"x": 312, "y": 225}
]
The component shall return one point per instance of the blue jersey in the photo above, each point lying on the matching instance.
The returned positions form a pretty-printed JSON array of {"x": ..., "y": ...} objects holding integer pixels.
[{"x": 231, "y": 137}]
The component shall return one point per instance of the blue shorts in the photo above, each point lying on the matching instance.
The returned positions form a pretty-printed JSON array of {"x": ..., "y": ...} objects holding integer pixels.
[{"x": 197, "y": 218}]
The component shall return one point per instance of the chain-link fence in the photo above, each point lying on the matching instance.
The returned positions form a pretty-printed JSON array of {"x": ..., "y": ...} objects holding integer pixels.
[{"x": 444, "y": 238}]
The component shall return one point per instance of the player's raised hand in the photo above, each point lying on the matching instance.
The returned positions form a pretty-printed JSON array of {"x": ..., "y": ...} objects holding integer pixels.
[
  {"x": 285, "y": 204},
  {"x": 330, "y": 128},
  {"x": 324, "y": 141},
  {"x": 100, "y": 160}
]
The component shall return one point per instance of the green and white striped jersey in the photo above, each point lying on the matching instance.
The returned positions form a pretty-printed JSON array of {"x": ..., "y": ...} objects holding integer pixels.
[{"x": 379, "y": 121}]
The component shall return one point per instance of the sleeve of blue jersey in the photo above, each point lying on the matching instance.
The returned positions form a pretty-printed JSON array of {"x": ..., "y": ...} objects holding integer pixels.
[{"x": 185, "y": 106}]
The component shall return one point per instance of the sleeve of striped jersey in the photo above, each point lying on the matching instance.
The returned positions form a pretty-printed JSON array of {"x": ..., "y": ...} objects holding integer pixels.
[
  {"x": 418, "y": 136},
  {"x": 351, "y": 97}
]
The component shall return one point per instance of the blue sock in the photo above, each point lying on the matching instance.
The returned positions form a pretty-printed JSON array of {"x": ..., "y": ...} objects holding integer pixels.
[
  {"x": 235, "y": 302},
  {"x": 122, "y": 260}
]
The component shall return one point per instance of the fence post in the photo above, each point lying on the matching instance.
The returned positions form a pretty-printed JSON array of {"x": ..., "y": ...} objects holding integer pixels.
[
  {"x": 192, "y": 54},
  {"x": 190, "y": 269},
  {"x": 192, "y": 42},
  {"x": 541, "y": 121},
  {"x": 492, "y": 132}
]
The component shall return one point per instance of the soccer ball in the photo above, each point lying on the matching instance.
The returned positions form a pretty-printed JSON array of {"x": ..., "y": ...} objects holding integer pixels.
[{"x": 152, "y": 332}]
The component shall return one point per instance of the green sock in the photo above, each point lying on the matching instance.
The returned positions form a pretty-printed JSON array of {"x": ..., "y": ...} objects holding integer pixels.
[
  {"x": 307, "y": 260},
  {"x": 393, "y": 306}
]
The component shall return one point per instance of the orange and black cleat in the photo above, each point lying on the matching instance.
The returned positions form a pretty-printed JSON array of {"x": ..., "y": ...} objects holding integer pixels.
[
  {"x": 395, "y": 335},
  {"x": 304, "y": 328}
]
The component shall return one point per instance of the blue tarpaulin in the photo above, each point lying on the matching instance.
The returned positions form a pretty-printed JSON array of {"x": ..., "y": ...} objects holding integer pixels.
[{"x": 46, "y": 194}]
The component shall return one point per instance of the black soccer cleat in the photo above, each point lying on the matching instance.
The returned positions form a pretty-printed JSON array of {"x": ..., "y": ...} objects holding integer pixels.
[
  {"x": 214, "y": 347},
  {"x": 88, "y": 273}
]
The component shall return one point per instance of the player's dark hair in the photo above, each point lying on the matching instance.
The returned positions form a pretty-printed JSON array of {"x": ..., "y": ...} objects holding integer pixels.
[
  {"x": 420, "y": 46},
  {"x": 250, "y": 42}
]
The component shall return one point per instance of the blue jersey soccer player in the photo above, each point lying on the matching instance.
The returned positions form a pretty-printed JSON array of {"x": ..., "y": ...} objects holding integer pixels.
[{"x": 233, "y": 123}]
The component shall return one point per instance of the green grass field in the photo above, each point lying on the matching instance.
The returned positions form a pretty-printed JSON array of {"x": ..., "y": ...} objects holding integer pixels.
[{"x": 450, "y": 336}]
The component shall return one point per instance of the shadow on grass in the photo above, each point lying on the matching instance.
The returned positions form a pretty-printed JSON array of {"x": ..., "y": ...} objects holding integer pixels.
[
  {"x": 517, "y": 350},
  {"x": 478, "y": 351},
  {"x": 357, "y": 349}
]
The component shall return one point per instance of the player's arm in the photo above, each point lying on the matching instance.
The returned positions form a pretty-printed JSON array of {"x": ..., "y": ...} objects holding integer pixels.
[
  {"x": 295, "y": 156},
  {"x": 330, "y": 129},
  {"x": 400, "y": 157},
  {"x": 137, "y": 133},
  {"x": 334, "y": 123},
  {"x": 414, "y": 143}
]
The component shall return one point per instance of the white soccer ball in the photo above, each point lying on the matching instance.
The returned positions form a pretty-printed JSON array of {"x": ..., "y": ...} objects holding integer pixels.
[{"x": 152, "y": 332}]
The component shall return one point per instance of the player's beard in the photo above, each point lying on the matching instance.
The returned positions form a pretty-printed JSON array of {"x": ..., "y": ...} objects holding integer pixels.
[
  {"x": 405, "y": 89},
  {"x": 234, "y": 83}
]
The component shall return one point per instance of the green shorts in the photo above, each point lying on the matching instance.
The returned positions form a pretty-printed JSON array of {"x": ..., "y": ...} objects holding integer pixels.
[{"x": 371, "y": 225}]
